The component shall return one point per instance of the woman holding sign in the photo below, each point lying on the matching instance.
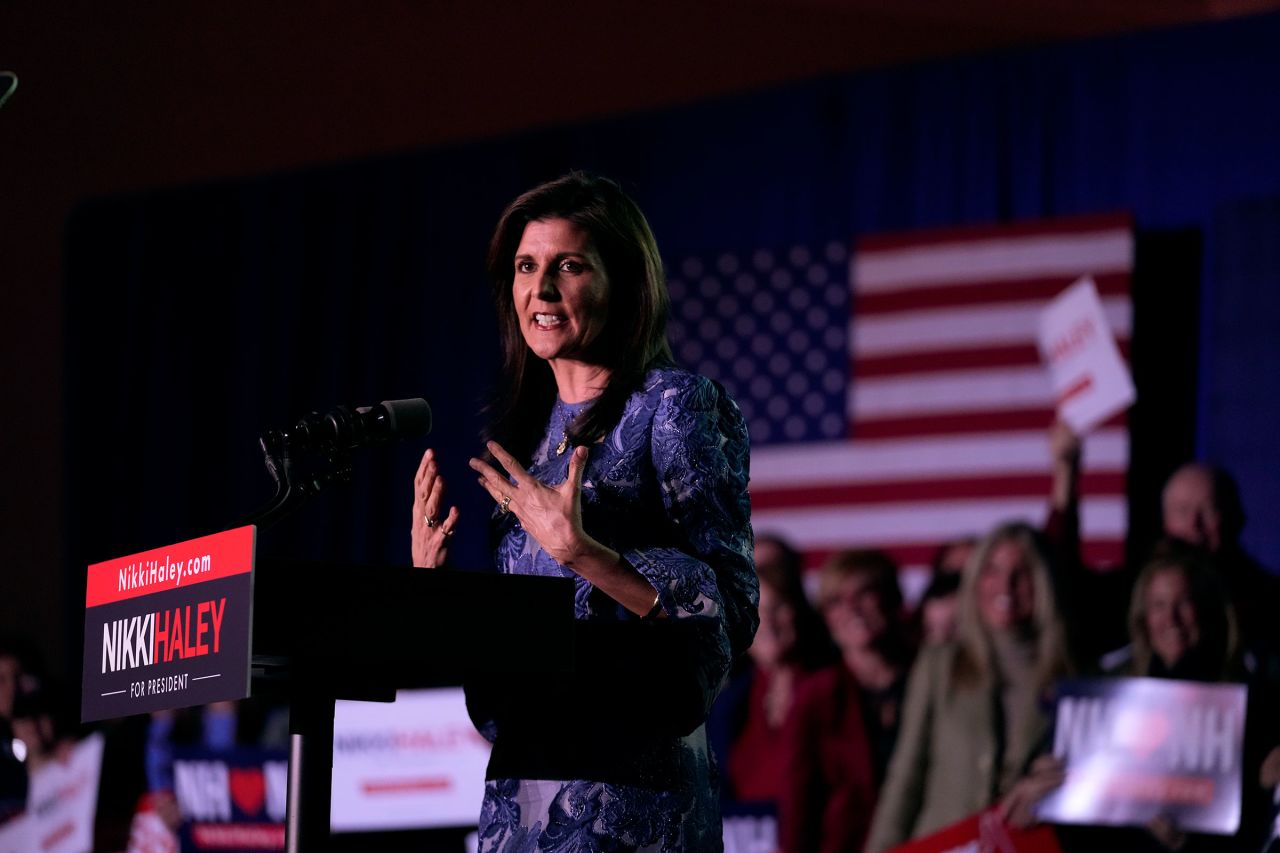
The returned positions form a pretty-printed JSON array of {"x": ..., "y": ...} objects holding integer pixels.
[
  {"x": 974, "y": 714},
  {"x": 629, "y": 476}
]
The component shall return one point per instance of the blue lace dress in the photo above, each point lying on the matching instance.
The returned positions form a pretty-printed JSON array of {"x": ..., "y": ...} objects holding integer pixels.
[{"x": 668, "y": 490}]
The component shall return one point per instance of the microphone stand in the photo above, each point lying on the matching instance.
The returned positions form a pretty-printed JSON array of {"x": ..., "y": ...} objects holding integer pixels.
[{"x": 300, "y": 475}]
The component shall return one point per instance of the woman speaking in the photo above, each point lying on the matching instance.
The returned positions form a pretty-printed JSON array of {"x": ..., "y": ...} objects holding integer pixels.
[{"x": 628, "y": 475}]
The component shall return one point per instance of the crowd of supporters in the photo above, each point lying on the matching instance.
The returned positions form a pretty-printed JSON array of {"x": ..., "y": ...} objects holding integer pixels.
[
  {"x": 861, "y": 722},
  {"x": 893, "y": 724}
]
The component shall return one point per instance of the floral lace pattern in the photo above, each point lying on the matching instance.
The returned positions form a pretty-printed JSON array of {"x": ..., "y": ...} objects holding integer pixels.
[{"x": 667, "y": 488}]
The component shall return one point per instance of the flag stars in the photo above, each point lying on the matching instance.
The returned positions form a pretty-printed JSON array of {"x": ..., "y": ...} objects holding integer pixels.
[
  {"x": 779, "y": 364},
  {"x": 762, "y": 345},
  {"x": 763, "y": 302},
  {"x": 772, "y": 327},
  {"x": 815, "y": 361},
  {"x": 798, "y": 341}
]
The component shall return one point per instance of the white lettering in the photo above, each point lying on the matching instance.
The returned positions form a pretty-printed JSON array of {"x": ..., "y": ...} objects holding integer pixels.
[
  {"x": 1219, "y": 736},
  {"x": 129, "y": 650},
  {"x": 111, "y": 646},
  {"x": 142, "y": 644},
  {"x": 276, "y": 776},
  {"x": 202, "y": 789}
]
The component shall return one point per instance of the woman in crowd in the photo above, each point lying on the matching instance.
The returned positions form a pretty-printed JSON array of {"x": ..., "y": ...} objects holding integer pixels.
[
  {"x": 1181, "y": 625},
  {"x": 629, "y": 476},
  {"x": 974, "y": 713},
  {"x": 791, "y": 642},
  {"x": 845, "y": 721}
]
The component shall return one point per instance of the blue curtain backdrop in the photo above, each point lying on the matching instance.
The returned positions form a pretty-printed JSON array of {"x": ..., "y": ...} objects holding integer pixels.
[
  {"x": 1242, "y": 345},
  {"x": 201, "y": 317}
]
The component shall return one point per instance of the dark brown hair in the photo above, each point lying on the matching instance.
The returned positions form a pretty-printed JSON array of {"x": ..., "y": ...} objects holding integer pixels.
[{"x": 634, "y": 338}]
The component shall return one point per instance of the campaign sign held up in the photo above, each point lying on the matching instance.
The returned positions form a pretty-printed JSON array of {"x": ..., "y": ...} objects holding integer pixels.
[
  {"x": 1136, "y": 748},
  {"x": 231, "y": 800},
  {"x": 169, "y": 628}
]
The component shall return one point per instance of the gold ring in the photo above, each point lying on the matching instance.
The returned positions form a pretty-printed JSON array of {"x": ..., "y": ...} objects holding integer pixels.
[
  {"x": 431, "y": 522},
  {"x": 504, "y": 507}
]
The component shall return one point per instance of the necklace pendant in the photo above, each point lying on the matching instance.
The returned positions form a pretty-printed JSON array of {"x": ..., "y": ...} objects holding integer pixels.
[{"x": 564, "y": 443}]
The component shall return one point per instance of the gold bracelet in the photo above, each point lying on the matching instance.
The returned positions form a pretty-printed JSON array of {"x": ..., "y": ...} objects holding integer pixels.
[{"x": 656, "y": 608}]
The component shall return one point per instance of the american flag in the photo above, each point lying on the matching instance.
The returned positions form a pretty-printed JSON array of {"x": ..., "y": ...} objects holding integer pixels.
[{"x": 896, "y": 398}]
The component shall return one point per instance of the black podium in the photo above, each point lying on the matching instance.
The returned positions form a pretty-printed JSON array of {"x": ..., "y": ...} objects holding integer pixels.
[{"x": 329, "y": 631}]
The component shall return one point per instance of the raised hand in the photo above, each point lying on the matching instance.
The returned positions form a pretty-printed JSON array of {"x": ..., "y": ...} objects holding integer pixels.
[
  {"x": 552, "y": 515},
  {"x": 429, "y": 533}
]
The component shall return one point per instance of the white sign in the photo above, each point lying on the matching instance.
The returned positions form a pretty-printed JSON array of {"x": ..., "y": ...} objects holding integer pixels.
[
  {"x": 415, "y": 763},
  {"x": 61, "y": 802},
  {"x": 1090, "y": 379}
]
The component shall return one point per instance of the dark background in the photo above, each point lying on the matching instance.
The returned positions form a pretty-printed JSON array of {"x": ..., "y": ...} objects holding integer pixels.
[{"x": 216, "y": 219}]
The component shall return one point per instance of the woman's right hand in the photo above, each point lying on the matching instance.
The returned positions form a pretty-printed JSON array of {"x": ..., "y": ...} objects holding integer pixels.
[{"x": 430, "y": 534}]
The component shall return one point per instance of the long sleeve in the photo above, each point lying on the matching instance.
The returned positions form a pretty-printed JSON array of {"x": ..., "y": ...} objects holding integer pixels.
[{"x": 700, "y": 451}]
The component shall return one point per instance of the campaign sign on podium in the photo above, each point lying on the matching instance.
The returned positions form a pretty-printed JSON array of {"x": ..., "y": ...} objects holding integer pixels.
[{"x": 170, "y": 627}]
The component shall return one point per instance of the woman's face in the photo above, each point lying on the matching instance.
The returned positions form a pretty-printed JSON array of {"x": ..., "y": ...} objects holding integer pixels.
[
  {"x": 1171, "y": 616},
  {"x": 560, "y": 290},
  {"x": 1006, "y": 588},
  {"x": 854, "y": 613},
  {"x": 776, "y": 637}
]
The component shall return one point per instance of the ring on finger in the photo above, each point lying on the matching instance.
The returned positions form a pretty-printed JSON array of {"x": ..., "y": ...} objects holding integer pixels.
[
  {"x": 431, "y": 521},
  {"x": 505, "y": 506}
]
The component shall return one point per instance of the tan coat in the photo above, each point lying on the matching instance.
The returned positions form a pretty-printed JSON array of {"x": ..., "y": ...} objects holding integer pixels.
[{"x": 946, "y": 765}]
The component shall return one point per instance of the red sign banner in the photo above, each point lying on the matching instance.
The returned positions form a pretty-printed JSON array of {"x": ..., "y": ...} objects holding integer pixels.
[
  {"x": 984, "y": 832},
  {"x": 169, "y": 627}
]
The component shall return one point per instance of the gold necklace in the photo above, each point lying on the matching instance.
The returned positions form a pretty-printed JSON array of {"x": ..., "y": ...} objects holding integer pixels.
[{"x": 564, "y": 429}]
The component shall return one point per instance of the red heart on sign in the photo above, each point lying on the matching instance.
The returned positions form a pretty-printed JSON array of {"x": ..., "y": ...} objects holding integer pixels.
[
  {"x": 1142, "y": 731},
  {"x": 247, "y": 788}
]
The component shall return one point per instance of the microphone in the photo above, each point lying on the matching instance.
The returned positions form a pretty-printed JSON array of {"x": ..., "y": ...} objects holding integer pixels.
[
  {"x": 8, "y": 85},
  {"x": 345, "y": 428}
]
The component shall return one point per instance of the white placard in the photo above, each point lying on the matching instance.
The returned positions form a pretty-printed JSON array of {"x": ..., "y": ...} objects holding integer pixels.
[
  {"x": 414, "y": 763},
  {"x": 62, "y": 799},
  {"x": 1091, "y": 381}
]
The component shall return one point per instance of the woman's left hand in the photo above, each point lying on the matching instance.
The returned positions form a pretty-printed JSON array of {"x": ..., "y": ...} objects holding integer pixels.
[
  {"x": 1018, "y": 807},
  {"x": 552, "y": 515}
]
